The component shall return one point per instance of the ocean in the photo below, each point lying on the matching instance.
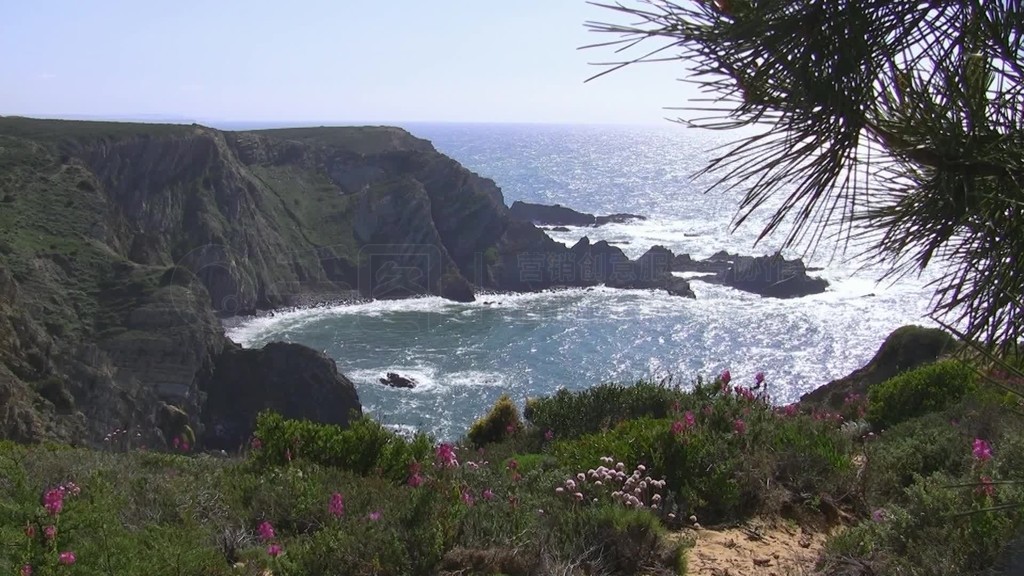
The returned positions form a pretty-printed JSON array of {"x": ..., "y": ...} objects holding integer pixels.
[{"x": 465, "y": 355}]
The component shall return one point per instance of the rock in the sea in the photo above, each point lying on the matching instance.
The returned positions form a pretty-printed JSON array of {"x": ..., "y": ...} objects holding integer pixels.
[
  {"x": 396, "y": 380},
  {"x": 771, "y": 276},
  {"x": 290, "y": 379},
  {"x": 559, "y": 215},
  {"x": 905, "y": 349},
  {"x": 620, "y": 218},
  {"x": 653, "y": 270},
  {"x": 765, "y": 275},
  {"x": 543, "y": 214}
]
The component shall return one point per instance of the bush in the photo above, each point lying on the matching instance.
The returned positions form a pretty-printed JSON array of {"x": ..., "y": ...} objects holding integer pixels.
[
  {"x": 912, "y": 394},
  {"x": 500, "y": 423},
  {"x": 573, "y": 414},
  {"x": 365, "y": 447},
  {"x": 941, "y": 528}
]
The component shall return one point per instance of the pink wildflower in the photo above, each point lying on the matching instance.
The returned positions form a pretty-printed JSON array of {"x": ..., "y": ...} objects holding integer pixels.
[
  {"x": 53, "y": 501},
  {"x": 184, "y": 446},
  {"x": 266, "y": 531},
  {"x": 759, "y": 378},
  {"x": 467, "y": 497},
  {"x": 50, "y": 532},
  {"x": 739, "y": 426},
  {"x": 726, "y": 378},
  {"x": 878, "y": 515},
  {"x": 415, "y": 481},
  {"x": 677, "y": 428},
  {"x": 337, "y": 505},
  {"x": 26, "y": 570},
  {"x": 175, "y": 442},
  {"x": 549, "y": 435},
  {"x": 274, "y": 550},
  {"x": 982, "y": 450},
  {"x": 374, "y": 516},
  {"x": 66, "y": 558},
  {"x": 512, "y": 464},
  {"x": 487, "y": 494},
  {"x": 255, "y": 443},
  {"x": 689, "y": 420},
  {"x": 445, "y": 456}
]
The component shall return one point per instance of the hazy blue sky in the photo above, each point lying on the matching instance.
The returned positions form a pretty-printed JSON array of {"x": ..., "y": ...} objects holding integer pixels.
[{"x": 340, "y": 60}]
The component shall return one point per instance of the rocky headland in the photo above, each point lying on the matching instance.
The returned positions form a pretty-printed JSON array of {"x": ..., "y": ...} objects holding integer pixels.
[{"x": 122, "y": 245}]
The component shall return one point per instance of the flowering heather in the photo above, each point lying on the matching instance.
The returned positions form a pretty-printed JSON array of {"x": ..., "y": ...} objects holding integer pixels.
[
  {"x": 266, "y": 531},
  {"x": 739, "y": 426},
  {"x": 982, "y": 450},
  {"x": 337, "y": 505},
  {"x": 445, "y": 456},
  {"x": 53, "y": 501}
]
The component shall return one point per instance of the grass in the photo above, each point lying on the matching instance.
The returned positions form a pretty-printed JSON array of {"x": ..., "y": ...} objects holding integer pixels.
[{"x": 602, "y": 496}]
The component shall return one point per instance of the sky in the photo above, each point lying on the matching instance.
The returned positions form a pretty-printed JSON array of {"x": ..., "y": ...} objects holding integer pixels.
[{"x": 324, "y": 61}]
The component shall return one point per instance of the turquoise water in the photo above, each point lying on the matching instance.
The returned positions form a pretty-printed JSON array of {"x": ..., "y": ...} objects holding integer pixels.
[{"x": 466, "y": 355}]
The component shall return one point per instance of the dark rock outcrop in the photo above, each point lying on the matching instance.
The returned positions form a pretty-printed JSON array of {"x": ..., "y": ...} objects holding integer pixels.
[
  {"x": 290, "y": 379},
  {"x": 620, "y": 218},
  {"x": 558, "y": 215},
  {"x": 772, "y": 276},
  {"x": 396, "y": 380},
  {"x": 543, "y": 214},
  {"x": 905, "y": 349}
]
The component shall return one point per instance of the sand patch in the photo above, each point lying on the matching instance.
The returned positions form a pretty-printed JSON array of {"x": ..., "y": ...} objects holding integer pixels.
[{"x": 755, "y": 549}]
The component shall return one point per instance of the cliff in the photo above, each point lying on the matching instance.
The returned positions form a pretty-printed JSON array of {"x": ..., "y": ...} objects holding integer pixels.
[{"x": 120, "y": 244}]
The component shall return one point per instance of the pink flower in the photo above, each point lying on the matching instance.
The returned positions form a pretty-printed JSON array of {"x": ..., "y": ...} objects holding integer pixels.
[
  {"x": 175, "y": 442},
  {"x": 255, "y": 443},
  {"x": 759, "y": 378},
  {"x": 487, "y": 494},
  {"x": 689, "y": 419},
  {"x": 726, "y": 377},
  {"x": 184, "y": 446},
  {"x": 549, "y": 435},
  {"x": 467, "y": 497},
  {"x": 415, "y": 481},
  {"x": 445, "y": 456},
  {"x": 30, "y": 530},
  {"x": 374, "y": 516},
  {"x": 274, "y": 550},
  {"x": 337, "y": 505},
  {"x": 26, "y": 570},
  {"x": 739, "y": 426},
  {"x": 512, "y": 464},
  {"x": 50, "y": 532},
  {"x": 53, "y": 501},
  {"x": 987, "y": 487},
  {"x": 982, "y": 450},
  {"x": 878, "y": 515},
  {"x": 266, "y": 531},
  {"x": 677, "y": 428},
  {"x": 66, "y": 558}
]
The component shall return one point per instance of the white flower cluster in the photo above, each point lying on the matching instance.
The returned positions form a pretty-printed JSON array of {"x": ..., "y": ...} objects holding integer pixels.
[{"x": 638, "y": 490}]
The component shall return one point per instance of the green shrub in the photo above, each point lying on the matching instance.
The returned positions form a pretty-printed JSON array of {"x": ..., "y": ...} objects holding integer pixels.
[
  {"x": 365, "y": 447},
  {"x": 941, "y": 528},
  {"x": 573, "y": 414},
  {"x": 500, "y": 423},
  {"x": 930, "y": 388}
]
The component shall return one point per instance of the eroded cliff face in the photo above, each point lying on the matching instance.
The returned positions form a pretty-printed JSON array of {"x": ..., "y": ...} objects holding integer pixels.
[{"x": 121, "y": 243}]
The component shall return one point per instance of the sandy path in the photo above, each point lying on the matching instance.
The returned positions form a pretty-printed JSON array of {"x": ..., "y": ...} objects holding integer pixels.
[{"x": 756, "y": 549}]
